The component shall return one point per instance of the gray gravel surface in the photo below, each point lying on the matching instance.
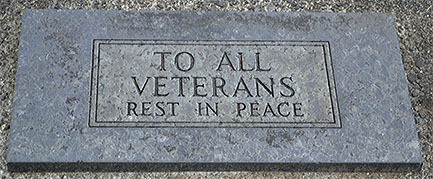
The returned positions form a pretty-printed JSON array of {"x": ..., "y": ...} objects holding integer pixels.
[{"x": 413, "y": 21}]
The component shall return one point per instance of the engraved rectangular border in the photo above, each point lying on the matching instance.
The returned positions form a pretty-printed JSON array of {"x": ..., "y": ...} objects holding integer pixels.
[{"x": 94, "y": 81}]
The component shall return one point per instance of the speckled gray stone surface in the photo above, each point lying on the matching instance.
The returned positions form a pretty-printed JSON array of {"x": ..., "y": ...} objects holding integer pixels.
[{"x": 50, "y": 120}]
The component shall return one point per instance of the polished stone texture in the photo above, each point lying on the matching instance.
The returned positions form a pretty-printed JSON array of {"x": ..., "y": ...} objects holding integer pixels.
[{"x": 53, "y": 110}]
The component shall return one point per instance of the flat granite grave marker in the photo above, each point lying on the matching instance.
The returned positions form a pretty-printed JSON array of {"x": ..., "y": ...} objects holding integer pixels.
[{"x": 169, "y": 91}]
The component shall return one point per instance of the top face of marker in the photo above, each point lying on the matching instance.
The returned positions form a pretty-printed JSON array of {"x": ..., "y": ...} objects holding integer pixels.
[{"x": 215, "y": 87}]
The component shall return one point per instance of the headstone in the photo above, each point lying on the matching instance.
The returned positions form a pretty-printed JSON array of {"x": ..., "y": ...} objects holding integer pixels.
[{"x": 169, "y": 91}]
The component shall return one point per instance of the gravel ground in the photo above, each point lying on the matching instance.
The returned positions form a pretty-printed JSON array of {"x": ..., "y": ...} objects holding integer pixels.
[{"x": 415, "y": 30}]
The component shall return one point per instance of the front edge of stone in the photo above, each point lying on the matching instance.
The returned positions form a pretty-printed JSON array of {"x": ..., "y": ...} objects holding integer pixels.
[{"x": 179, "y": 167}]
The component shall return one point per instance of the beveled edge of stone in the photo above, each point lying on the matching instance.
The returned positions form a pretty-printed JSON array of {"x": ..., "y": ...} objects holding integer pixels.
[{"x": 180, "y": 167}]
